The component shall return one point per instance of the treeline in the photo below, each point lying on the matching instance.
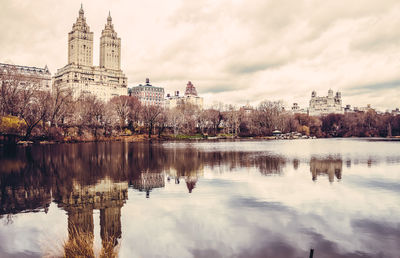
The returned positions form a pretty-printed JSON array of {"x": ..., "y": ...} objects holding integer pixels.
[{"x": 29, "y": 112}]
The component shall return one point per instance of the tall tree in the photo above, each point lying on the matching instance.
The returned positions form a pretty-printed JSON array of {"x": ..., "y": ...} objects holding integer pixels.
[
  {"x": 149, "y": 115},
  {"x": 35, "y": 110}
]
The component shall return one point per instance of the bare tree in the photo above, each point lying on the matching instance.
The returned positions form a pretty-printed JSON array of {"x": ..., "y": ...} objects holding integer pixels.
[
  {"x": 120, "y": 104},
  {"x": 174, "y": 119},
  {"x": 162, "y": 122},
  {"x": 35, "y": 110},
  {"x": 149, "y": 115},
  {"x": 202, "y": 121},
  {"x": 16, "y": 90},
  {"x": 233, "y": 118},
  {"x": 91, "y": 114},
  {"x": 135, "y": 108},
  {"x": 187, "y": 117},
  {"x": 268, "y": 116},
  {"x": 215, "y": 118},
  {"x": 60, "y": 105}
]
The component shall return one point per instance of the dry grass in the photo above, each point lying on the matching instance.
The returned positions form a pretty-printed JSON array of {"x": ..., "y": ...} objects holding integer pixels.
[
  {"x": 80, "y": 244},
  {"x": 109, "y": 248}
]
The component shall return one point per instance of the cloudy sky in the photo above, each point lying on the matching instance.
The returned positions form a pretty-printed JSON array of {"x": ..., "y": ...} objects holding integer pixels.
[{"x": 234, "y": 51}]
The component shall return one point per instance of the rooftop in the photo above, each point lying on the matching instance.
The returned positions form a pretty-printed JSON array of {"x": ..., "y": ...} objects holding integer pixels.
[{"x": 27, "y": 68}]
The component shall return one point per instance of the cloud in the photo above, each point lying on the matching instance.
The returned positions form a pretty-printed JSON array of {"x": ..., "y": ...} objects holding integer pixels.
[
  {"x": 234, "y": 51},
  {"x": 395, "y": 84}
]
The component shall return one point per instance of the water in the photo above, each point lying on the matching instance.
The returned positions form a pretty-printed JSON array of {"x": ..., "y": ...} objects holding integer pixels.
[{"x": 340, "y": 197}]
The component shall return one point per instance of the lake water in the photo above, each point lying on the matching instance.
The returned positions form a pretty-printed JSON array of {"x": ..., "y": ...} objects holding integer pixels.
[{"x": 340, "y": 197}]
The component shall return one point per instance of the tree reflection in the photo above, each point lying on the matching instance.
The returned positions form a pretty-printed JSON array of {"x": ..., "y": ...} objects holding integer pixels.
[
  {"x": 81, "y": 178},
  {"x": 30, "y": 176}
]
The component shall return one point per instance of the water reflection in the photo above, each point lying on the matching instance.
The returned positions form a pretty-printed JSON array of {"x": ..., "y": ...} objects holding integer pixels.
[
  {"x": 80, "y": 201},
  {"x": 89, "y": 180},
  {"x": 30, "y": 176},
  {"x": 80, "y": 174},
  {"x": 329, "y": 166},
  {"x": 146, "y": 181}
]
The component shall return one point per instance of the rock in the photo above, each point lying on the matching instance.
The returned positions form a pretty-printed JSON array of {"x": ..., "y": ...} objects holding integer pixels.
[{"x": 24, "y": 142}]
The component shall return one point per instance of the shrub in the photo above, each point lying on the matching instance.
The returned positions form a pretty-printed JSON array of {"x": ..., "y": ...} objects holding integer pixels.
[{"x": 11, "y": 125}]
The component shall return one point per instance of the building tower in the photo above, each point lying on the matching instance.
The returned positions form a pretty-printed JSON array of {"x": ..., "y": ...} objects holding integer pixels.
[
  {"x": 80, "y": 42},
  {"x": 330, "y": 93},
  {"x": 110, "y": 47},
  {"x": 190, "y": 89}
]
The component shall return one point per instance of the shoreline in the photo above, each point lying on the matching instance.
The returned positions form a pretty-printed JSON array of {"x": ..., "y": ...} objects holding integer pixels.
[{"x": 183, "y": 138}]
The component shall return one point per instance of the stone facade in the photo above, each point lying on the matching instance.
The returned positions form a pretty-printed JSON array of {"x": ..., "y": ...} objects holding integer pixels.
[
  {"x": 148, "y": 94},
  {"x": 190, "y": 97},
  {"x": 325, "y": 105},
  {"x": 40, "y": 75},
  {"x": 110, "y": 47},
  {"x": 104, "y": 81},
  {"x": 80, "y": 42}
]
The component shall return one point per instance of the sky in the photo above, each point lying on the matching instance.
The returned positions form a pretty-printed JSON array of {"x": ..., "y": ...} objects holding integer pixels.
[{"x": 233, "y": 51}]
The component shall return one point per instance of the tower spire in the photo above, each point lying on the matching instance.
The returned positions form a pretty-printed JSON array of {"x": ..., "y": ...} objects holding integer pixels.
[
  {"x": 109, "y": 19},
  {"x": 81, "y": 12}
]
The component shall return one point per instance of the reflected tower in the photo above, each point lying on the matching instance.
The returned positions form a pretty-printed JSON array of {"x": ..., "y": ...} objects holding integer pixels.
[
  {"x": 330, "y": 167},
  {"x": 106, "y": 196}
]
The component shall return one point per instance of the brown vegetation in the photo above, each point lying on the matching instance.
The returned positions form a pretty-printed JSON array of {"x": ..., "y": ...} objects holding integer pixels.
[
  {"x": 29, "y": 113},
  {"x": 80, "y": 244}
]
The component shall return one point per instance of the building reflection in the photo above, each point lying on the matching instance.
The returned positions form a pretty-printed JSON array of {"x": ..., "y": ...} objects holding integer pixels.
[
  {"x": 30, "y": 176},
  {"x": 188, "y": 165},
  {"x": 146, "y": 181},
  {"x": 331, "y": 167},
  {"x": 80, "y": 202},
  {"x": 296, "y": 163},
  {"x": 73, "y": 174}
]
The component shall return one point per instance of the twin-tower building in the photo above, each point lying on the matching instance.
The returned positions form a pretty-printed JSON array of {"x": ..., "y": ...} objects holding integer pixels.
[{"x": 104, "y": 81}]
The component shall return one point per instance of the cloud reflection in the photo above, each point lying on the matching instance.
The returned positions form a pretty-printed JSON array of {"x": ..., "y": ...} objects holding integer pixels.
[{"x": 223, "y": 202}]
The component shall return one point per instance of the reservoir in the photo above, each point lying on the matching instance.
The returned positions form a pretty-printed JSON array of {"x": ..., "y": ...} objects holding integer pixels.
[{"x": 237, "y": 198}]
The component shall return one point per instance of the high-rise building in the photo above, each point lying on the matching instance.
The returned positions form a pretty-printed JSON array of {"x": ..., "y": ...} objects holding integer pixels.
[
  {"x": 104, "y": 81},
  {"x": 110, "y": 47},
  {"x": 80, "y": 42}
]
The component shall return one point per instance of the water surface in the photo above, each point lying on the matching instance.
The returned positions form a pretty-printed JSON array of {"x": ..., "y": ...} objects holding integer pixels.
[{"x": 205, "y": 199}]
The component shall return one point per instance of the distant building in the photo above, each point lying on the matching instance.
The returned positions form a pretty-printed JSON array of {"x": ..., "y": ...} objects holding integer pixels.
[
  {"x": 348, "y": 109},
  {"x": 364, "y": 109},
  {"x": 190, "y": 97},
  {"x": 297, "y": 110},
  {"x": 325, "y": 105},
  {"x": 104, "y": 81},
  {"x": 42, "y": 75},
  {"x": 247, "y": 109},
  {"x": 148, "y": 94},
  {"x": 396, "y": 112},
  {"x": 172, "y": 101}
]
